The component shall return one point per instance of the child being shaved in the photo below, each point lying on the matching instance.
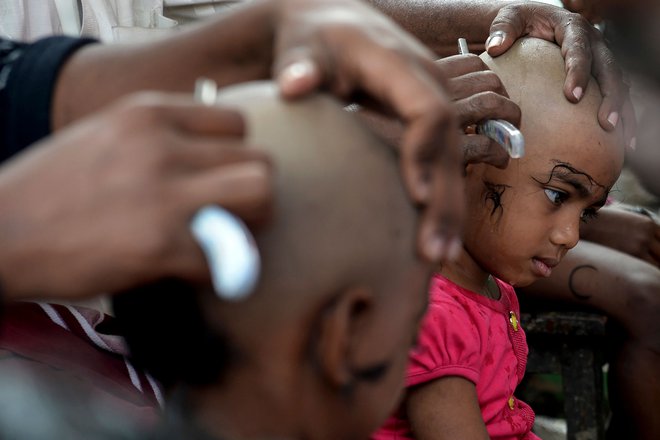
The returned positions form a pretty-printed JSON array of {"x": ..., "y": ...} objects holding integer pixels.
[{"x": 520, "y": 223}]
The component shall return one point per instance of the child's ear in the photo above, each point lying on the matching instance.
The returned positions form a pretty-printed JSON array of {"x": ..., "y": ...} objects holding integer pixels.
[{"x": 339, "y": 325}]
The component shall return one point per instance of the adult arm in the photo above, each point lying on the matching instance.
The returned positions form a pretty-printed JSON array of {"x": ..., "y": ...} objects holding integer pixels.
[
  {"x": 626, "y": 289},
  {"x": 343, "y": 46},
  {"x": 105, "y": 204},
  {"x": 633, "y": 233},
  {"x": 446, "y": 408}
]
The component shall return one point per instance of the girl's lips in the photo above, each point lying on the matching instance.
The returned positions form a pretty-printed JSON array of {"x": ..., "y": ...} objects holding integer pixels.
[{"x": 542, "y": 267}]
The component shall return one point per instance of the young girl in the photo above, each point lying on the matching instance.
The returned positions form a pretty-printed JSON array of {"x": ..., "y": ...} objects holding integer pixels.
[{"x": 520, "y": 222}]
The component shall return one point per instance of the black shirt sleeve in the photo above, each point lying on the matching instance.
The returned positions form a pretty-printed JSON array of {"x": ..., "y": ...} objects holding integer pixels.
[{"x": 28, "y": 73}]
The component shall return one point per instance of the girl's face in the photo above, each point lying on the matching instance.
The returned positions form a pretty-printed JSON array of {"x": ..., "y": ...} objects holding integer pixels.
[{"x": 522, "y": 220}]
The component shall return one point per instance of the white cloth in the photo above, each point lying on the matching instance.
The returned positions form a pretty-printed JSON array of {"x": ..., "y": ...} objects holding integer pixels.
[
  {"x": 28, "y": 19},
  {"x": 108, "y": 20}
]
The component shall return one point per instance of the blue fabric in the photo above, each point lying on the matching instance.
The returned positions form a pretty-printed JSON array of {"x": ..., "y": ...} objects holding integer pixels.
[{"x": 28, "y": 73}]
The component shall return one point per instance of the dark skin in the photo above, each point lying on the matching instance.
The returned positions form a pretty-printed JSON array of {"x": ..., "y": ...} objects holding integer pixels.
[
  {"x": 632, "y": 297},
  {"x": 303, "y": 44},
  {"x": 412, "y": 90},
  {"x": 616, "y": 281},
  {"x": 639, "y": 238},
  {"x": 475, "y": 92},
  {"x": 321, "y": 356},
  {"x": 511, "y": 20},
  {"x": 303, "y": 58},
  {"x": 422, "y": 109},
  {"x": 454, "y": 399},
  {"x": 528, "y": 212},
  {"x": 116, "y": 175}
]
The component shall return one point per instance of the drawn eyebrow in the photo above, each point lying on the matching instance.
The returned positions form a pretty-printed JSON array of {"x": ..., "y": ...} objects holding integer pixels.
[
  {"x": 566, "y": 172},
  {"x": 580, "y": 187}
]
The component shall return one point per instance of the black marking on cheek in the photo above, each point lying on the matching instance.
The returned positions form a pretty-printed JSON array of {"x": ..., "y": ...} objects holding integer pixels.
[
  {"x": 571, "y": 285},
  {"x": 493, "y": 194}
]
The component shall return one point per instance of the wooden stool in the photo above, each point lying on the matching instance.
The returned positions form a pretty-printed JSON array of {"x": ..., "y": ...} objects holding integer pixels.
[{"x": 571, "y": 344}]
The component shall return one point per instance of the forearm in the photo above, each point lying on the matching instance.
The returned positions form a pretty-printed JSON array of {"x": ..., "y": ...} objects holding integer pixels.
[
  {"x": 233, "y": 47},
  {"x": 626, "y": 230},
  {"x": 438, "y": 23}
]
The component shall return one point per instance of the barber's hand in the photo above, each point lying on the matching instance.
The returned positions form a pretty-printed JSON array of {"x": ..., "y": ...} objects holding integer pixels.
[
  {"x": 633, "y": 233},
  {"x": 357, "y": 53},
  {"x": 105, "y": 204},
  {"x": 592, "y": 10},
  {"x": 478, "y": 94},
  {"x": 584, "y": 51}
]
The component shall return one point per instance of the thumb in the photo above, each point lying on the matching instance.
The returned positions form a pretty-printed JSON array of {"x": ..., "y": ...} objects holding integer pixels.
[{"x": 506, "y": 28}]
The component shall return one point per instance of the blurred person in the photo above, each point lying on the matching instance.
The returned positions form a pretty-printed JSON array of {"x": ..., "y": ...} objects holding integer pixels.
[{"x": 319, "y": 349}]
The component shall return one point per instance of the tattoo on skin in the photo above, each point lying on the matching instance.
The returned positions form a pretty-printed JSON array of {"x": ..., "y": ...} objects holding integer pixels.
[
  {"x": 494, "y": 193},
  {"x": 571, "y": 284}
]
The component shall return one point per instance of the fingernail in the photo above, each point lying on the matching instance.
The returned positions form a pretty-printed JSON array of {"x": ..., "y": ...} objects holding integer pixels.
[
  {"x": 297, "y": 70},
  {"x": 613, "y": 118},
  {"x": 495, "y": 39},
  {"x": 633, "y": 144},
  {"x": 577, "y": 92},
  {"x": 455, "y": 248},
  {"x": 435, "y": 248}
]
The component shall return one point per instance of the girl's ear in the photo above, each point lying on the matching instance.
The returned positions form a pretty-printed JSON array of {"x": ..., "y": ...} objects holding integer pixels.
[{"x": 339, "y": 328}]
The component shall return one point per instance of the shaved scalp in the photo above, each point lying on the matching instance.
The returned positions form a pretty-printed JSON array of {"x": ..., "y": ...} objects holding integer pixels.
[
  {"x": 341, "y": 215},
  {"x": 533, "y": 72}
]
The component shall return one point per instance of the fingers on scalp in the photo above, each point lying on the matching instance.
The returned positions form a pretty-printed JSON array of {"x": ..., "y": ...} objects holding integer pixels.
[
  {"x": 203, "y": 153},
  {"x": 487, "y": 105},
  {"x": 578, "y": 59},
  {"x": 457, "y": 65},
  {"x": 211, "y": 120},
  {"x": 480, "y": 149},
  {"x": 475, "y": 148},
  {"x": 180, "y": 111},
  {"x": 245, "y": 188},
  {"x": 508, "y": 25},
  {"x": 614, "y": 91},
  {"x": 629, "y": 121},
  {"x": 300, "y": 78},
  {"x": 476, "y": 82}
]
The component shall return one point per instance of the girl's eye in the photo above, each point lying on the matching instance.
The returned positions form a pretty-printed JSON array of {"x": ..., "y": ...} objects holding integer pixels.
[
  {"x": 588, "y": 214},
  {"x": 555, "y": 197}
]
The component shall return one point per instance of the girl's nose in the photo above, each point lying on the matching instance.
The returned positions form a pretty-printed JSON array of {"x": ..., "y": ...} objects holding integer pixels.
[{"x": 566, "y": 232}]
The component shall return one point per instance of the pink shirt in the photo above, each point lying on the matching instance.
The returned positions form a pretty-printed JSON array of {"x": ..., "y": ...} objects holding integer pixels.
[{"x": 468, "y": 335}]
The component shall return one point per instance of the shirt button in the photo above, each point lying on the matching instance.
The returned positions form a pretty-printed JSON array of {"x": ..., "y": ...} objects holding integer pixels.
[
  {"x": 514, "y": 321},
  {"x": 512, "y": 402}
]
